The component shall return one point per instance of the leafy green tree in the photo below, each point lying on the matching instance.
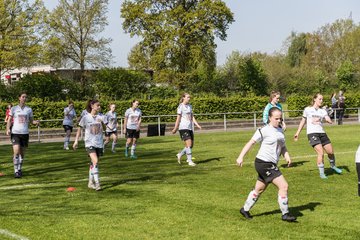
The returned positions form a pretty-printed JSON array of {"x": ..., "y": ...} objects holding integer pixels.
[
  {"x": 297, "y": 49},
  {"x": 346, "y": 76},
  {"x": 76, "y": 25},
  {"x": 119, "y": 83},
  {"x": 22, "y": 27},
  {"x": 177, "y": 36}
]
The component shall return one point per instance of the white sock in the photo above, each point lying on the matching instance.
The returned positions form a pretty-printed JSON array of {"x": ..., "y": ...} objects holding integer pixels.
[
  {"x": 133, "y": 147},
  {"x": 91, "y": 176},
  {"x": 113, "y": 146},
  {"x": 283, "y": 203},
  {"x": 95, "y": 173},
  {"x": 182, "y": 152},
  {"x": 251, "y": 200},
  {"x": 188, "y": 154},
  {"x": 20, "y": 162},
  {"x": 332, "y": 162},
  {"x": 321, "y": 168},
  {"x": 16, "y": 163}
]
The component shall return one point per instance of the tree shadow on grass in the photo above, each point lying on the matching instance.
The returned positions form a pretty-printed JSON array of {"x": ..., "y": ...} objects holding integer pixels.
[
  {"x": 294, "y": 164},
  {"x": 296, "y": 211}
]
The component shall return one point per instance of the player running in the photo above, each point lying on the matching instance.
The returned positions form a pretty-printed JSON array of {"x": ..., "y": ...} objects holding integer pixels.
[
  {"x": 313, "y": 116},
  {"x": 20, "y": 117},
  {"x": 132, "y": 123},
  {"x": 184, "y": 122},
  {"x": 92, "y": 122},
  {"x": 111, "y": 127},
  {"x": 272, "y": 141}
]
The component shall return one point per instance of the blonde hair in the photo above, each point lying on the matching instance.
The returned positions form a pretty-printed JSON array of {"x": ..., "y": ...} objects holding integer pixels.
[
  {"x": 183, "y": 96},
  {"x": 273, "y": 94}
]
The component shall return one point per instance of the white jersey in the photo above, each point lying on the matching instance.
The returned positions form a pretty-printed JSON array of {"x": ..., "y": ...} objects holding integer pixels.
[
  {"x": 133, "y": 117},
  {"x": 357, "y": 157},
  {"x": 69, "y": 116},
  {"x": 112, "y": 121},
  {"x": 22, "y": 117},
  {"x": 314, "y": 119},
  {"x": 185, "y": 111},
  {"x": 272, "y": 143},
  {"x": 93, "y": 129}
]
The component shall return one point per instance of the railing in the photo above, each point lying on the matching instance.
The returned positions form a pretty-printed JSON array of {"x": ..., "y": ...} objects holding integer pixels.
[{"x": 223, "y": 119}]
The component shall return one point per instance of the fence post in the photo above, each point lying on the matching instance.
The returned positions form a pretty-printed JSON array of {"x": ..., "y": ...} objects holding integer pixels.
[
  {"x": 159, "y": 125},
  {"x": 225, "y": 122},
  {"x": 335, "y": 116},
  {"x": 38, "y": 132},
  {"x": 358, "y": 114},
  {"x": 121, "y": 128},
  {"x": 254, "y": 120}
]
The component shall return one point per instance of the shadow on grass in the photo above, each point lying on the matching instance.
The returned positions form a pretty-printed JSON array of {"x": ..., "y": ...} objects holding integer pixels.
[
  {"x": 294, "y": 164},
  {"x": 209, "y": 160},
  {"x": 296, "y": 211},
  {"x": 329, "y": 171}
]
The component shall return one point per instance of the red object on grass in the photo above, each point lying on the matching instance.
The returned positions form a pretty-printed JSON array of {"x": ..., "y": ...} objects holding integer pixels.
[{"x": 70, "y": 189}]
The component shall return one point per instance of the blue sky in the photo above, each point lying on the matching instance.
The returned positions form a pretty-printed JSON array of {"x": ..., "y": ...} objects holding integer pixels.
[{"x": 260, "y": 25}]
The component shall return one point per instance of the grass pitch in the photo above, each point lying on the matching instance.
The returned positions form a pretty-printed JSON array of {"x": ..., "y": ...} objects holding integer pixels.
[{"x": 155, "y": 198}]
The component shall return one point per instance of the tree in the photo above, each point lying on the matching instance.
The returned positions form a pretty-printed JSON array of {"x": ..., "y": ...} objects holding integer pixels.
[
  {"x": 76, "y": 25},
  {"x": 177, "y": 35},
  {"x": 346, "y": 76},
  {"x": 297, "y": 49},
  {"x": 22, "y": 26}
]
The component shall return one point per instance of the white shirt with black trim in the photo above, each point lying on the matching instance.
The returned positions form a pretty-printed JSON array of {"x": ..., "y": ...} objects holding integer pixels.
[
  {"x": 185, "y": 111},
  {"x": 22, "y": 117},
  {"x": 314, "y": 119},
  {"x": 93, "y": 129}
]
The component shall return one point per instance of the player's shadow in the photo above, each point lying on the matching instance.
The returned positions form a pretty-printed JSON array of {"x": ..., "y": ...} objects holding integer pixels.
[
  {"x": 208, "y": 160},
  {"x": 329, "y": 171},
  {"x": 296, "y": 211},
  {"x": 294, "y": 164},
  {"x": 130, "y": 180}
]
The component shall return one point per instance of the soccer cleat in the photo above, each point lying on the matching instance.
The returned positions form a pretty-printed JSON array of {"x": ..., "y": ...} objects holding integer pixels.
[
  {"x": 178, "y": 156},
  {"x": 97, "y": 187},
  {"x": 17, "y": 175},
  {"x": 191, "y": 163},
  {"x": 246, "y": 214},
  {"x": 323, "y": 176},
  {"x": 337, "y": 170},
  {"x": 91, "y": 185},
  {"x": 288, "y": 217},
  {"x": 113, "y": 151},
  {"x": 66, "y": 148},
  {"x": 133, "y": 156}
]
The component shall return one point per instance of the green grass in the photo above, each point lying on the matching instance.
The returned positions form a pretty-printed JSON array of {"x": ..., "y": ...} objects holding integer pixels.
[{"x": 155, "y": 198}]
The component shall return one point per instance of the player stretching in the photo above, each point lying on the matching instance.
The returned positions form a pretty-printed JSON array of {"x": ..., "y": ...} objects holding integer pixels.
[
  {"x": 111, "y": 127},
  {"x": 92, "y": 123},
  {"x": 22, "y": 116},
  {"x": 132, "y": 124}
]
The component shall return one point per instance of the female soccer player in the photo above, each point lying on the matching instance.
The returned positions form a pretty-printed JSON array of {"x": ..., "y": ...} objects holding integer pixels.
[
  {"x": 273, "y": 102},
  {"x": 132, "y": 123},
  {"x": 184, "y": 122},
  {"x": 7, "y": 115},
  {"x": 357, "y": 161},
  {"x": 272, "y": 146},
  {"x": 68, "y": 123},
  {"x": 92, "y": 123},
  {"x": 313, "y": 116},
  {"x": 22, "y": 116},
  {"x": 111, "y": 127}
]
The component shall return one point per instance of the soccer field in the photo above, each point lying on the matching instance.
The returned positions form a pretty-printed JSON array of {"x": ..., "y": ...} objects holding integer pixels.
[{"x": 153, "y": 197}]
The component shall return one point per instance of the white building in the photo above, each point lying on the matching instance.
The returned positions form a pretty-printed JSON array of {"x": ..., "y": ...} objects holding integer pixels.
[{"x": 10, "y": 76}]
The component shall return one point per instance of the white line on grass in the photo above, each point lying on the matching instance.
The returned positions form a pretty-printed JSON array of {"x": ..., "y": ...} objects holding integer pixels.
[{"x": 12, "y": 235}]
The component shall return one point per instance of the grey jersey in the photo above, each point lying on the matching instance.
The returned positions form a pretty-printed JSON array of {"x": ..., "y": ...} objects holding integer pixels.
[
  {"x": 112, "y": 121},
  {"x": 69, "y": 115},
  {"x": 93, "y": 129},
  {"x": 272, "y": 143}
]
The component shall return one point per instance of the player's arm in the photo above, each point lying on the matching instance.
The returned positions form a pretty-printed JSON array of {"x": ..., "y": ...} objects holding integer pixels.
[
  {"x": 244, "y": 151},
  {"x": 125, "y": 123},
  {"x": 139, "y": 124},
  {"x": 195, "y": 122},
  {"x": 75, "y": 145},
  {"x": 286, "y": 155},
  {"x": 176, "y": 123},
  {"x": 301, "y": 125},
  {"x": 328, "y": 119},
  {"x": 8, "y": 125}
]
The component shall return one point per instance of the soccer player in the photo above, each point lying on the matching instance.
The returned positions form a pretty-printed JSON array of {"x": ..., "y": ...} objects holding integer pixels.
[
  {"x": 272, "y": 141},
  {"x": 313, "y": 116},
  {"x": 111, "y": 127},
  {"x": 184, "y": 122},
  {"x": 132, "y": 123},
  {"x": 357, "y": 161},
  {"x": 20, "y": 116},
  {"x": 68, "y": 123},
  {"x": 273, "y": 102},
  {"x": 92, "y": 122}
]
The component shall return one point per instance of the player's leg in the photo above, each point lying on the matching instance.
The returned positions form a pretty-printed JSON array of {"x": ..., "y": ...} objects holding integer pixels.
[
  {"x": 133, "y": 148},
  {"x": 283, "y": 186},
  {"x": 114, "y": 138},
  {"x": 320, "y": 160},
  {"x": 330, "y": 152},
  {"x": 253, "y": 196},
  {"x": 94, "y": 170}
]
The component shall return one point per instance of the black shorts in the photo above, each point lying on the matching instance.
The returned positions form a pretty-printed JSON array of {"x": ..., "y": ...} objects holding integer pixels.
[
  {"x": 132, "y": 133},
  {"x": 267, "y": 171},
  {"x": 186, "y": 134},
  {"x": 67, "y": 128},
  {"x": 108, "y": 134},
  {"x": 318, "y": 138},
  {"x": 98, "y": 151},
  {"x": 20, "y": 139}
]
